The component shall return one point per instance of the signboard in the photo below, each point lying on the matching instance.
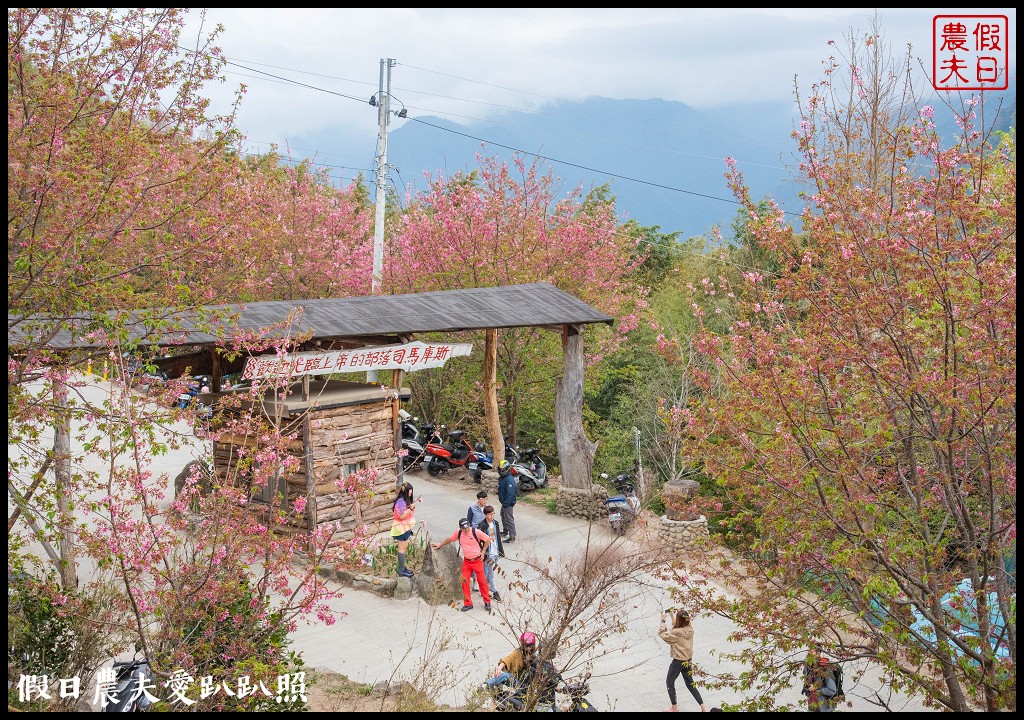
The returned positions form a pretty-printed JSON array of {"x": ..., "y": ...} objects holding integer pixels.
[
  {"x": 970, "y": 52},
  {"x": 409, "y": 357}
]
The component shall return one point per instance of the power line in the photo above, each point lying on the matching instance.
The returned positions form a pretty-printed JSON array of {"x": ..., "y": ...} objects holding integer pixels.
[
  {"x": 753, "y": 139},
  {"x": 590, "y": 169},
  {"x": 296, "y": 82},
  {"x": 588, "y": 137},
  {"x": 507, "y": 147}
]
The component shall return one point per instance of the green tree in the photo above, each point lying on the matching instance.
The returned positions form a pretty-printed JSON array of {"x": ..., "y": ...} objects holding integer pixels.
[
  {"x": 865, "y": 430},
  {"x": 500, "y": 225}
]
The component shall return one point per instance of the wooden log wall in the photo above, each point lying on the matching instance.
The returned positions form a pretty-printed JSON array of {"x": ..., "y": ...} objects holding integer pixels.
[{"x": 351, "y": 435}]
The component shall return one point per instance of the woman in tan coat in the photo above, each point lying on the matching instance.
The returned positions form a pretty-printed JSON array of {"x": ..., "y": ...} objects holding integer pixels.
[{"x": 680, "y": 641}]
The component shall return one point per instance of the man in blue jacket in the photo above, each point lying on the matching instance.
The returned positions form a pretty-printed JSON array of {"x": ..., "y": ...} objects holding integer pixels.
[{"x": 507, "y": 498}]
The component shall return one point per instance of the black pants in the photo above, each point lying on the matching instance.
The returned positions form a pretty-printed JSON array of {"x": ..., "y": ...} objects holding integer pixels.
[{"x": 677, "y": 668}]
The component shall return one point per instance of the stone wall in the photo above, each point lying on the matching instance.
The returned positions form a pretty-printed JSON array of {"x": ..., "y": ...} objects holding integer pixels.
[
  {"x": 681, "y": 534},
  {"x": 438, "y": 581},
  {"x": 584, "y": 504}
]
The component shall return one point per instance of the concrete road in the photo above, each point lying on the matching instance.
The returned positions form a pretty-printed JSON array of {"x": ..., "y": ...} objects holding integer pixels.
[
  {"x": 450, "y": 653},
  {"x": 381, "y": 638}
]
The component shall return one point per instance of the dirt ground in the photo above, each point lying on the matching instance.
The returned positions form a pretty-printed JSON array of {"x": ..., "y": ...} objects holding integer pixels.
[
  {"x": 328, "y": 691},
  {"x": 331, "y": 692}
]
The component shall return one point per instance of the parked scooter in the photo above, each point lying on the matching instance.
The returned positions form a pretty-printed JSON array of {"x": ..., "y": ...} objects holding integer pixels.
[
  {"x": 530, "y": 470},
  {"x": 577, "y": 692},
  {"x": 194, "y": 388},
  {"x": 484, "y": 459},
  {"x": 453, "y": 454},
  {"x": 512, "y": 695},
  {"x": 624, "y": 508},
  {"x": 415, "y": 439},
  {"x": 128, "y": 695}
]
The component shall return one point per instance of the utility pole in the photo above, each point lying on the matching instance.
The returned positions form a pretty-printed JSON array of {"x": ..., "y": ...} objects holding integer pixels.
[{"x": 383, "y": 113}]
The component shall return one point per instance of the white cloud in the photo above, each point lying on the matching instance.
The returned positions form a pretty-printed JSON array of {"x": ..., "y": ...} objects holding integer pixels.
[{"x": 470, "y": 62}]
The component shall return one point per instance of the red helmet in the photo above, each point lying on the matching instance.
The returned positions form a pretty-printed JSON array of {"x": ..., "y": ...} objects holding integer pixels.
[{"x": 528, "y": 639}]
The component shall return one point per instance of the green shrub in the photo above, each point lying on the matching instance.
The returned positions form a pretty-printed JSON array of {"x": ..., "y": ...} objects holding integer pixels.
[
  {"x": 56, "y": 633},
  {"x": 240, "y": 636},
  {"x": 384, "y": 554}
]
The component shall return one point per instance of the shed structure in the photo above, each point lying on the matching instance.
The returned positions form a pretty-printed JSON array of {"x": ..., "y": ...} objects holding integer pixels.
[{"x": 344, "y": 427}]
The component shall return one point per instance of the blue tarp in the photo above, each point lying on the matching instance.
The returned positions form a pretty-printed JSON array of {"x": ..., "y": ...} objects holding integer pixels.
[{"x": 961, "y": 607}]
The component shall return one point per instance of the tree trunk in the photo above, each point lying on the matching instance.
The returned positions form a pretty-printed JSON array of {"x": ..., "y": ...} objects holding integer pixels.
[
  {"x": 491, "y": 395},
  {"x": 575, "y": 451},
  {"x": 62, "y": 474}
]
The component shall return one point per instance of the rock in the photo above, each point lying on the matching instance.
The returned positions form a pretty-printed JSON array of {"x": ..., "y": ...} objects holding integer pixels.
[
  {"x": 203, "y": 476},
  {"x": 403, "y": 588},
  {"x": 439, "y": 581},
  {"x": 391, "y": 687}
]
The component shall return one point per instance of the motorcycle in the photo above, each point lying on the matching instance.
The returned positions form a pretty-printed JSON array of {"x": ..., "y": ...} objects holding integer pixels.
[
  {"x": 455, "y": 453},
  {"x": 624, "y": 508},
  {"x": 530, "y": 470},
  {"x": 128, "y": 696},
  {"x": 577, "y": 693},
  {"x": 415, "y": 439},
  {"x": 511, "y": 696},
  {"x": 484, "y": 460}
]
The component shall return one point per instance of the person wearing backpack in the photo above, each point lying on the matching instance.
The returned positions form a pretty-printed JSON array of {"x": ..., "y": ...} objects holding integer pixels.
[
  {"x": 494, "y": 549},
  {"x": 473, "y": 542},
  {"x": 822, "y": 683}
]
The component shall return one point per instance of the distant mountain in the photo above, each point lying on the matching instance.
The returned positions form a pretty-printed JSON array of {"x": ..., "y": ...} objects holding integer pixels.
[{"x": 664, "y": 161}]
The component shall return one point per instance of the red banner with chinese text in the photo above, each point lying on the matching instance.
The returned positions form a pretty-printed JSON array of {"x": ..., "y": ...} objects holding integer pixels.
[{"x": 408, "y": 357}]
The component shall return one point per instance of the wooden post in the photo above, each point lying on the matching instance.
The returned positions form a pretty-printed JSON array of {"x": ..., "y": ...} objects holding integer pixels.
[
  {"x": 491, "y": 394},
  {"x": 218, "y": 370},
  {"x": 307, "y": 447},
  {"x": 575, "y": 451},
  {"x": 68, "y": 568},
  {"x": 396, "y": 425}
]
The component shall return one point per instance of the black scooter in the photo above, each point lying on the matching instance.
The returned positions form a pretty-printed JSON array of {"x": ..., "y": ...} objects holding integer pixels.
[
  {"x": 484, "y": 459},
  {"x": 415, "y": 439},
  {"x": 511, "y": 696},
  {"x": 128, "y": 695}
]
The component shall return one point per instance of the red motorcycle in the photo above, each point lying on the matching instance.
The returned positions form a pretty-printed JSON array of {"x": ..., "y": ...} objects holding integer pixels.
[{"x": 439, "y": 458}]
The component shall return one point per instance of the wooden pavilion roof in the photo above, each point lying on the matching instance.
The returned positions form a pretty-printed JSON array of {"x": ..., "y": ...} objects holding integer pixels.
[{"x": 372, "y": 317}]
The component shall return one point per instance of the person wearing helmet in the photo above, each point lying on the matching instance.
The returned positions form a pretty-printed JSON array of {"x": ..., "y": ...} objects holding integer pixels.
[
  {"x": 516, "y": 665},
  {"x": 473, "y": 543},
  {"x": 507, "y": 498}
]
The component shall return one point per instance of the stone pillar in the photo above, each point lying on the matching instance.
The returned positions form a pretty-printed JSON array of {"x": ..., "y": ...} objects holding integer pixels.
[
  {"x": 681, "y": 534},
  {"x": 585, "y": 504},
  {"x": 679, "y": 496}
]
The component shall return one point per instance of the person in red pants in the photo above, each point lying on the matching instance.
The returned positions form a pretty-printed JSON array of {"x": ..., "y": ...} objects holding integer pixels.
[{"x": 472, "y": 541}]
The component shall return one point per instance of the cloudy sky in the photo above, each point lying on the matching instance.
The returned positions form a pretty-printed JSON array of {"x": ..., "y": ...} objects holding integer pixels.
[{"x": 473, "y": 64}]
